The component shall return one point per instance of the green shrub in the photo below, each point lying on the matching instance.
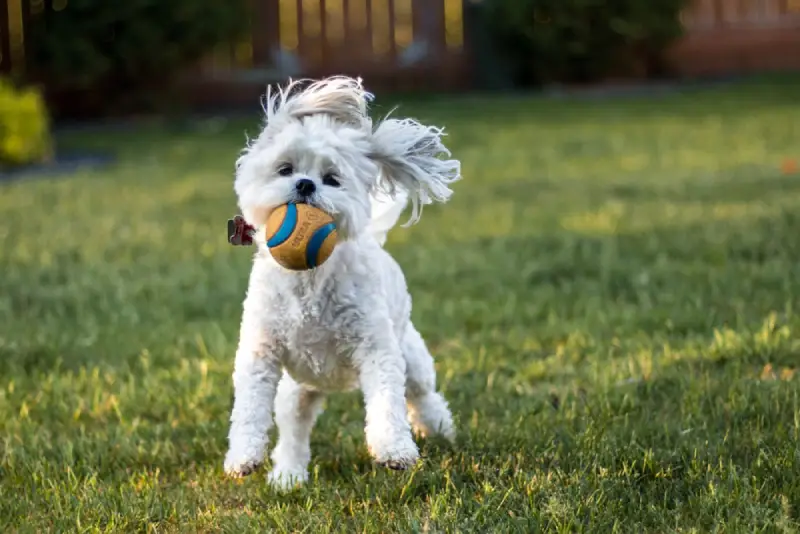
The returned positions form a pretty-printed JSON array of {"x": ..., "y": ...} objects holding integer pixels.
[
  {"x": 24, "y": 126},
  {"x": 582, "y": 40},
  {"x": 102, "y": 51}
]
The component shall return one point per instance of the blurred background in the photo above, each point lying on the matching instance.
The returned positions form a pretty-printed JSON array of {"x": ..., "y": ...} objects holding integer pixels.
[{"x": 92, "y": 58}]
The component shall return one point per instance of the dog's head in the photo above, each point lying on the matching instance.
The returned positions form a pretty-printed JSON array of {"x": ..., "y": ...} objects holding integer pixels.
[{"x": 319, "y": 146}]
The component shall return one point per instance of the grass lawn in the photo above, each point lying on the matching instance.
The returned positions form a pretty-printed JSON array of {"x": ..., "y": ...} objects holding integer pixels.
[{"x": 611, "y": 297}]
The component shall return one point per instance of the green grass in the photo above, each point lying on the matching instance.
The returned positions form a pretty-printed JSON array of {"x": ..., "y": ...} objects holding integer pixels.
[{"x": 611, "y": 298}]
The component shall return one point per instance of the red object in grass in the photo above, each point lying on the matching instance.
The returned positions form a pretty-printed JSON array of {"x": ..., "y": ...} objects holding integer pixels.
[{"x": 789, "y": 166}]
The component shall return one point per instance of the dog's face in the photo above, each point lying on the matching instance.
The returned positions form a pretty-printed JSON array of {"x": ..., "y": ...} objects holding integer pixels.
[
  {"x": 318, "y": 146},
  {"x": 313, "y": 160}
]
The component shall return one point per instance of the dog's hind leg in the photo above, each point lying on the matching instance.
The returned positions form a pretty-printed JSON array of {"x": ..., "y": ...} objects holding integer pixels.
[
  {"x": 296, "y": 411},
  {"x": 427, "y": 409}
]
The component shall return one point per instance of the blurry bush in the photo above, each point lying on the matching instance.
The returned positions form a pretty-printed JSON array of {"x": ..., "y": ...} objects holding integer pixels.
[
  {"x": 102, "y": 55},
  {"x": 24, "y": 126},
  {"x": 582, "y": 40}
]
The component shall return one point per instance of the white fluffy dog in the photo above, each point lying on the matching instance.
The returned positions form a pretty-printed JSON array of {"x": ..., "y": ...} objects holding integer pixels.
[{"x": 345, "y": 324}]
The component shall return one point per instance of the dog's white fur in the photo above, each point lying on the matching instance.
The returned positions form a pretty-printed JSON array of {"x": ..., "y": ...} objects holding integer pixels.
[{"x": 345, "y": 324}]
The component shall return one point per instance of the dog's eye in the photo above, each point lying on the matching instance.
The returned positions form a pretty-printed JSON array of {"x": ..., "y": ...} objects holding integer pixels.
[
  {"x": 286, "y": 169},
  {"x": 330, "y": 179}
]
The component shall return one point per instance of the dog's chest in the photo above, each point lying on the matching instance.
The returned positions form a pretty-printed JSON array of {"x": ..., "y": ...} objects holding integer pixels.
[{"x": 317, "y": 345}]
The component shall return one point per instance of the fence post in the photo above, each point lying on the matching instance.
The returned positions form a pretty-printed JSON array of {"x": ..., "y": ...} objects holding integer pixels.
[
  {"x": 13, "y": 20},
  {"x": 5, "y": 43},
  {"x": 265, "y": 31},
  {"x": 488, "y": 69}
]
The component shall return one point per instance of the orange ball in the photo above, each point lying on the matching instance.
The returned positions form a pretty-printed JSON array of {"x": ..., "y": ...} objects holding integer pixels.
[{"x": 300, "y": 237}]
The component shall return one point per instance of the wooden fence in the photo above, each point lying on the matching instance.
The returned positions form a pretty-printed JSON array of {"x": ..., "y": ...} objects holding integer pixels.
[
  {"x": 393, "y": 44},
  {"x": 421, "y": 44}
]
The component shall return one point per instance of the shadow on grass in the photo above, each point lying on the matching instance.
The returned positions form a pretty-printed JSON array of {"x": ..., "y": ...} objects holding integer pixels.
[{"x": 64, "y": 165}]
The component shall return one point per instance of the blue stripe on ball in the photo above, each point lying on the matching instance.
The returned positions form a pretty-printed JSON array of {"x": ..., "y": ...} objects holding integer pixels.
[
  {"x": 286, "y": 228},
  {"x": 315, "y": 243}
]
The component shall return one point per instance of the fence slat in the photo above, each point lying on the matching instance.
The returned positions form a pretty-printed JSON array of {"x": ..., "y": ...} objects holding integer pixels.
[
  {"x": 392, "y": 33},
  {"x": 265, "y": 31},
  {"x": 5, "y": 43}
]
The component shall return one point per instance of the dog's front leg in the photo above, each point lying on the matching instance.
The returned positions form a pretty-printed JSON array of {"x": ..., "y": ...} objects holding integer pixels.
[
  {"x": 382, "y": 379},
  {"x": 255, "y": 379}
]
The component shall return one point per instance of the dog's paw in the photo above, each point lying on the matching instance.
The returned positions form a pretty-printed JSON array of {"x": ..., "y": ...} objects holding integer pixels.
[
  {"x": 399, "y": 457},
  {"x": 397, "y": 465},
  {"x": 287, "y": 479},
  {"x": 237, "y": 466}
]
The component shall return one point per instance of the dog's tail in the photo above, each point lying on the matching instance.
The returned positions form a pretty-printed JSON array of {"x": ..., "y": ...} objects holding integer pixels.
[{"x": 386, "y": 210}]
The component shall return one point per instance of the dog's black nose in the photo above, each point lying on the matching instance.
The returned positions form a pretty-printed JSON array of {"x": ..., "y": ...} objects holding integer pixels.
[{"x": 305, "y": 187}]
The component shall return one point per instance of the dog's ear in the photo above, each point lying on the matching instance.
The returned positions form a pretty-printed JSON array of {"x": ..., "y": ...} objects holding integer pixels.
[
  {"x": 412, "y": 156},
  {"x": 341, "y": 97}
]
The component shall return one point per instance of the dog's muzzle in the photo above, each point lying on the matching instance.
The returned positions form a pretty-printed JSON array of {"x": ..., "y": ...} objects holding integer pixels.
[{"x": 305, "y": 187}]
